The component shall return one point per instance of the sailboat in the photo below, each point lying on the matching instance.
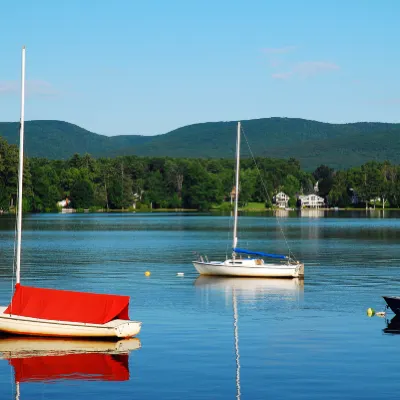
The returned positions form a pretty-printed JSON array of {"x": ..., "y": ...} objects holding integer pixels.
[
  {"x": 63, "y": 313},
  {"x": 254, "y": 265}
]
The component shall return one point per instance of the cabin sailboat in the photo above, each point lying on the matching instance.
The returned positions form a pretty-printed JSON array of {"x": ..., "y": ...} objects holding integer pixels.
[
  {"x": 50, "y": 312},
  {"x": 253, "y": 265}
]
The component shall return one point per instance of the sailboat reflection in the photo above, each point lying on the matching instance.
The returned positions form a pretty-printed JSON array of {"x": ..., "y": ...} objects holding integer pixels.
[
  {"x": 249, "y": 289},
  {"x": 48, "y": 360},
  {"x": 393, "y": 326},
  {"x": 252, "y": 288}
]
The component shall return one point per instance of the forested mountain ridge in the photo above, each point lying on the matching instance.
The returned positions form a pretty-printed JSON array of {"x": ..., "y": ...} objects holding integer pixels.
[
  {"x": 311, "y": 142},
  {"x": 60, "y": 140}
]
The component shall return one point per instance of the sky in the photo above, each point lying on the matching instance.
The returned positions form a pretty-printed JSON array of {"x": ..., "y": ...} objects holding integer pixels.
[{"x": 148, "y": 67}]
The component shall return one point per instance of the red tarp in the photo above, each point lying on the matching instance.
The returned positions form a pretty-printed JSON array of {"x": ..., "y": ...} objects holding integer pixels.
[
  {"x": 65, "y": 305},
  {"x": 89, "y": 366}
]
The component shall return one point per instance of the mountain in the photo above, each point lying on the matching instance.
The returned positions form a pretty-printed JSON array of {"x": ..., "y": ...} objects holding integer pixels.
[
  {"x": 311, "y": 142},
  {"x": 60, "y": 140}
]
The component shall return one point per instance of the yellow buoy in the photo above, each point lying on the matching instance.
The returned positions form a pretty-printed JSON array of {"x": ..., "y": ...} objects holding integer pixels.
[
  {"x": 370, "y": 312},
  {"x": 147, "y": 273}
]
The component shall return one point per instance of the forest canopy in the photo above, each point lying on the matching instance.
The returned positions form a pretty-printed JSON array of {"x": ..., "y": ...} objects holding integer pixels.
[{"x": 162, "y": 182}]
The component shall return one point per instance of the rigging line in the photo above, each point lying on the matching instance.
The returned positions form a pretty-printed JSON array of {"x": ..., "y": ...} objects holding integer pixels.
[
  {"x": 230, "y": 218},
  {"x": 229, "y": 246},
  {"x": 266, "y": 192}
]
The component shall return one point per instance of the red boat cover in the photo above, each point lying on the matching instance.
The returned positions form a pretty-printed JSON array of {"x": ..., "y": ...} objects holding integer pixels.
[
  {"x": 89, "y": 366},
  {"x": 65, "y": 305}
]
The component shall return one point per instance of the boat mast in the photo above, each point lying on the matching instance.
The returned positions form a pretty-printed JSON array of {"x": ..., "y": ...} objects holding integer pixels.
[
  {"x": 20, "y": 169},
  {"x": 236, "y": 188}
]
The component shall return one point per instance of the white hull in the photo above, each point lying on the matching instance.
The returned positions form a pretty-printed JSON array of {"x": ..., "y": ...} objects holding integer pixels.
[
  {"x": 17, "y": 325},
  {"x": 249, "y": 268}
]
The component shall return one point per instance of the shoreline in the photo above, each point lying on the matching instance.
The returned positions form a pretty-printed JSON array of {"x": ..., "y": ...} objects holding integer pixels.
[{"x": 212, "y": 210}]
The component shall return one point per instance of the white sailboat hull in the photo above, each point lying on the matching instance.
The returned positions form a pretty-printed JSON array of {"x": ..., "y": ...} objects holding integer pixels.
[
  {"x": 17, "y": 325},
  {"x": 249, "y": 268}
]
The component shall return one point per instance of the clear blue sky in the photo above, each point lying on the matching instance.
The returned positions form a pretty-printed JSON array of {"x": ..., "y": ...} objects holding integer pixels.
[{"x": 148, "y": 67}]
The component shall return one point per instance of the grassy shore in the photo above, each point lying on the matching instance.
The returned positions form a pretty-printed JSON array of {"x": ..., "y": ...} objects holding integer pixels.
[{"x": 224, "y": 207}]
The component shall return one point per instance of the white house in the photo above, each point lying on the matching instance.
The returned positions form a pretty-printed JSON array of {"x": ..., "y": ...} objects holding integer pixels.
[
  {"x": 136, "y": 197},
  {"x": 312, "y": 201},
  {"x": 63, "y": 203},
  {"x": 282, "y": 200}
]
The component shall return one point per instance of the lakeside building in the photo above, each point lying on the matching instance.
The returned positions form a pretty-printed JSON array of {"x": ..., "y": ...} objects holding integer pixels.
[{"x": 312, "y": 201}]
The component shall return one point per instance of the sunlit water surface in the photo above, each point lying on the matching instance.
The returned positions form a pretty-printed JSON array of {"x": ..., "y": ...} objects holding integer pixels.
[{"x": 295, "y": 339}]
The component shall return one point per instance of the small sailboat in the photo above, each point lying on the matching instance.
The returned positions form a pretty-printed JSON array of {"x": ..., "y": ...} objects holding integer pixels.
[
  {"x": 254, "y": 265},
  {"x": 50, "y": 312}
]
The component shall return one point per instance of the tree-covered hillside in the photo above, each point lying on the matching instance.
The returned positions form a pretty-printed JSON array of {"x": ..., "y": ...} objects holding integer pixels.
[
  {"x": 311, "y": 142},
  {"x": 60, "y": 140}
]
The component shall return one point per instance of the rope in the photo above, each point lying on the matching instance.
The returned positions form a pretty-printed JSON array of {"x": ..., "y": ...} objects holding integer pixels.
[{"x": 291, "y": 254}]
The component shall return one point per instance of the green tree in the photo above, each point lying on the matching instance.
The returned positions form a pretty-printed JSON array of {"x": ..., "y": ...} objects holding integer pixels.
[
  {"x": 202, "y": 188},
  {"x": 46, "y": 188},
  {"x": 82, "y": 194},
  {"x": 339, "y": 194}
]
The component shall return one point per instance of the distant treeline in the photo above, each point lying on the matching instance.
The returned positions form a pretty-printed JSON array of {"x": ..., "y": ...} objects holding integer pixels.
[{"x": 162, "y": 182}]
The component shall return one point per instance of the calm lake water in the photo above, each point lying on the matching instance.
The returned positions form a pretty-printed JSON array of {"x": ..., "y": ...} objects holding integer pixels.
[{"x": 295, "y": 340}]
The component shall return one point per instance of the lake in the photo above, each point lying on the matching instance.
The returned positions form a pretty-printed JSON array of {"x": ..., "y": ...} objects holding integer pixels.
[{"x": 217, "y": 338}]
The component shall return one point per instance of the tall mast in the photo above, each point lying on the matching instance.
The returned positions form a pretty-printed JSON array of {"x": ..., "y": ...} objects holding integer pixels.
[
  {"x": 236, "y": 187},
  {"x": 20, "y": 169}
]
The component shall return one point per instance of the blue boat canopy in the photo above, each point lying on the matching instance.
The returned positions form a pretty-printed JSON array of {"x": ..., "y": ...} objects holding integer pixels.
[{"x": 258, "y": 253}]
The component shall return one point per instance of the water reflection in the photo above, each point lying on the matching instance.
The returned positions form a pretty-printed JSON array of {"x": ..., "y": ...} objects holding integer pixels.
[
  {"x": 49, "y": 360},
  {"x": 252, "y": 289},
  {"x": 393, "y": 326},
  {"x": 248, "y": 289},
  {"x": 281, "y": 213},
  {"x": 312, "y": 213}
]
